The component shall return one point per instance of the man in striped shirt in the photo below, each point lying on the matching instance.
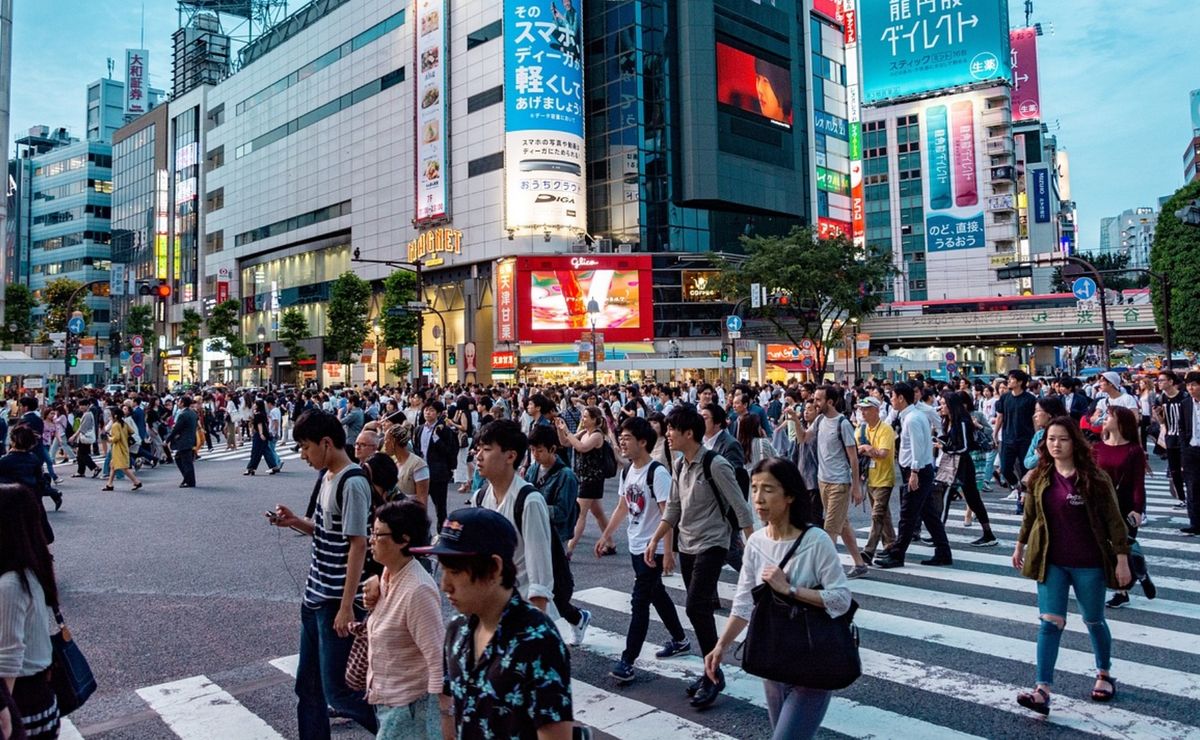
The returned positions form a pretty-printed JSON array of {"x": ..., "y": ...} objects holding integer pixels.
[{"x": 332, "y": 601}]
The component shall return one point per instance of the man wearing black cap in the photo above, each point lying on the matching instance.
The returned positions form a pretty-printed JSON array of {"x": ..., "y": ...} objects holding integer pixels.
[{"x": 508, "y": 672}]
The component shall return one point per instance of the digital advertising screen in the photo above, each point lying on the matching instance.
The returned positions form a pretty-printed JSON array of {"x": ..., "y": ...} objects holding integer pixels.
[
  {"x": 951, "y": 132},
  {"x": 754, "y": 85},
  {"x": 557, "y": 291}
]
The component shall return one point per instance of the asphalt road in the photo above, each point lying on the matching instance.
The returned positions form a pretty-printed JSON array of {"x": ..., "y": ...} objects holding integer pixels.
[{"x": 190, "y": 590}]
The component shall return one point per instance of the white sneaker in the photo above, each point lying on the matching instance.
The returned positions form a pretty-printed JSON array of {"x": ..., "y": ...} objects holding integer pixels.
[
  {"x": 579, "y": 630},
  {"x": 1014, "y": 496}
]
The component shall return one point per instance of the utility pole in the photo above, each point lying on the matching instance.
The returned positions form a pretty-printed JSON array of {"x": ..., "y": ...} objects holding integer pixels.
[{"x": 415, "y": 267}]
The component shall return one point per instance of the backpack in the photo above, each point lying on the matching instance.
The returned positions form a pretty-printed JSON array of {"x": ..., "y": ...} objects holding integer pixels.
[
  {"x": 983, "y": 435},
  {"x": 608, "y": 460},
  {"x": 649, "y": 478},
  {"x": 560, "y": 567},
  {"x": 341, "y": 493},
  {"x": 707, "y": 461}
]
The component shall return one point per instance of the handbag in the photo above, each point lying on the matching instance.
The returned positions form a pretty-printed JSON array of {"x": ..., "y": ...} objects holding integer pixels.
[
  {"x": 947, "y": 469},
  {"x": 799, "y": 644},
  {"x": 356, "y": 663},
  {"x": 70, "y": 675}
]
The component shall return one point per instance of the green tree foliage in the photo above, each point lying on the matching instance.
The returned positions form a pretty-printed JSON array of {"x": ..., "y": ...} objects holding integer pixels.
[
  {"x": 189, "y": 337},
  {"x": 19, "y": 303},
  {"x": 400, "y": 288},
  {"x": 1105, "y": 262},
  {"x": 140, "y": 320},
  {"x": 293, "y": 329},
  {"x": 224, "y": 334},
  {"x": 400, "y": 367},
  {"x": 55, "y": 295},
  {"x": 1176, "y": 252},
  {"x": 349, "y": 301},
  {"x": 827, "y": 283}
]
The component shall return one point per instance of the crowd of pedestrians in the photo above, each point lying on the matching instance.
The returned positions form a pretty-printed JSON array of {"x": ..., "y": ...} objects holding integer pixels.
[{"x": 760, "y": 478}]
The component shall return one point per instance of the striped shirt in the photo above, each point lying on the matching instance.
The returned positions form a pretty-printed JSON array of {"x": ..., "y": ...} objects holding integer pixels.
[
  {"x": 333, "y": 525},
  {"x": 405, "y": 639}
]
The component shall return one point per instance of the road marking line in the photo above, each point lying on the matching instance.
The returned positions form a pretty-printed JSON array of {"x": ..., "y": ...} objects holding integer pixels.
[
  {"x": 198, "y": 708},
  {"x": 68, "y": 731},
  {"x": 289, "y": 664},
  {"x": 629, "y": 719},
  {"x": 1174, "y": 545}
]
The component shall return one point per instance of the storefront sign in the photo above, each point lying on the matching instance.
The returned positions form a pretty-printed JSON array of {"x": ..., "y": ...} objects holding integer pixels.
[
  {"x": 442, "y": 240},
  {"x": 700, "y": 286},
  {"x": 504, "y": 361},
  {"x": 506, "y": 303},
  {"x": 136, "y": 74},
  {"x": 431, "y": 91},
  {"x": 558, "y": 291}
]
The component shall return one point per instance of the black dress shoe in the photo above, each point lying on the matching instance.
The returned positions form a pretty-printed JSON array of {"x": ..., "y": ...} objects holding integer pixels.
[
  {"x": 886, "y": 561},
  {"x": 709, "y": 692},
  {"x": 1189, "y": 530},
  {"x": 695, "y": 685},
  {"x": 56, "y": 497},
  {"x": 937, "y": 561},
  {"x": 186, "y": 485}
]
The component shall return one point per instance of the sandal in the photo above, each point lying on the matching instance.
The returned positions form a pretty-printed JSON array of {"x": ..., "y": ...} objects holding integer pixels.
[
  {"x": 1029, "y": 701},
  {"x": 107, "y": 488},
  {"x": 1101, "y": 695}
]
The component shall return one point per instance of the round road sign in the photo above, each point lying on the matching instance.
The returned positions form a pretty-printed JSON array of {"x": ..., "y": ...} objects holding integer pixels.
[
  {"x": 806, "y": 363},
  {"x": 137, "y": 371},
  {"x": 806, "y": 344},
  {"x": 76, "y": 325},
  {"x": 138, "y": 358},
  {"x": 136, "y": 340},
  {"x": 125, "y": 356}
]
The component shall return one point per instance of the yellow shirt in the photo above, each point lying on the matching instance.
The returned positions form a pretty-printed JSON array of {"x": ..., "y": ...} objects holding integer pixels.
[{"x": 882, "y": 472}]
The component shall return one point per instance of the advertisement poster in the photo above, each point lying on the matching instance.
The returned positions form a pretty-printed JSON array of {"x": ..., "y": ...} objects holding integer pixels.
[
  {"x": 506, "y": 301},
  {"x": 433, "y": 182},
  {"x": 543, "y": 116},
  {"x": 1026, "y": 103},
  {"x": 754, "y": 85},
  {"x": 953, "y": 211},
  {"x": 137, "y": 76},
  {"x": 911, "y": 47},
  {"x": 557, "y": 291},
  {"x": 1041, "y": 195}
]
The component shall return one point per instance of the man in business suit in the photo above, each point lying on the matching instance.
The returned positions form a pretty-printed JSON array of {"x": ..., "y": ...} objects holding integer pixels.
[
  {"x": 718, "y": 439},
  {"x": 1074, "y": 399},
  {"x": 182, "y": 441},
  {"x": 1189, "y": 442},
  {"x": 437, "y": 445}
]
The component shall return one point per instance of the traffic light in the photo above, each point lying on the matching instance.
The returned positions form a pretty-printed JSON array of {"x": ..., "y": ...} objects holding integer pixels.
[
  {"x": 162, "y": 290},
  {"x": 724, "y": 353},
  {"x": 72, "y": 348},
  {"x": 452, "y": 358},
  {"x": 266, "y": 352}
]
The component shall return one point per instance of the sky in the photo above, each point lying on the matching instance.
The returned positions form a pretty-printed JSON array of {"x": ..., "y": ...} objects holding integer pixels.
[{"x": 1114, "y": 80}]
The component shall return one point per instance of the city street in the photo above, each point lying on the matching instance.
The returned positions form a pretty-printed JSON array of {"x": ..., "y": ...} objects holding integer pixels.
[{"x": 187, "y": 604}]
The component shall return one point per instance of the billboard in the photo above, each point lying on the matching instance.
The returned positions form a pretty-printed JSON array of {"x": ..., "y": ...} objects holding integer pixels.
[
  {"x": 1026, "y": 103},
  {"x": 750, "y": 83},
  {"x": 914, "y": 47},
  {"x": 951, "y": 132},
  {"x": 556, "y": 292},
  {"x": 1041, "y": 195},
  {"x": 1195, "y": 105},
  {"x": 137, "y": 81},
  {"x": 506, "y": 301},
  {"x": 430, "y": 91},
  {"x": 543, "y": 116}
]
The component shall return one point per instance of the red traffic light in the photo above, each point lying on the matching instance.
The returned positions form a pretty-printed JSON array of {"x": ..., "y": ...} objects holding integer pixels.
[{"x": 162, "y": 290}]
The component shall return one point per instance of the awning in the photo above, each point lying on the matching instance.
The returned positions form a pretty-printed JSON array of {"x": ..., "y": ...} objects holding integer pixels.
[{"x": 568, "y": 354}]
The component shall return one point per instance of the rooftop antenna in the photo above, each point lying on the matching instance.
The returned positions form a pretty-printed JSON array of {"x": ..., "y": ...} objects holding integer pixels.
[{"x": 142, "y": 37}]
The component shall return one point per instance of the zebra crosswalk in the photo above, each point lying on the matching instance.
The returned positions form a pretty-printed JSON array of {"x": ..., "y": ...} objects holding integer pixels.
[{"x": 944, "y": 651}]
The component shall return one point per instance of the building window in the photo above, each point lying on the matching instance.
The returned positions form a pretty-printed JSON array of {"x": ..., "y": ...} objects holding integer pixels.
[
  {"x": 214, "y": 242},
  {"x": 215, "y": 158},
  {"x": 485, "y": 99},
  {"x": 216, "y": 116},
  {"x": 483, "y": 35},
  {"x": 490, "y": 163},
  {"x": 215, "y": 200},
  {"x": 295, "y": 222}
]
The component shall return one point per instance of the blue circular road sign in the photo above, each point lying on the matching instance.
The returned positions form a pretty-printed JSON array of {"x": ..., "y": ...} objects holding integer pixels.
[
  {"x": 75, "y": 325},
  {"x": 124, "y": 357},
  {"x": 733, "y": 323},
  {"x": 1084, "y": 288}
]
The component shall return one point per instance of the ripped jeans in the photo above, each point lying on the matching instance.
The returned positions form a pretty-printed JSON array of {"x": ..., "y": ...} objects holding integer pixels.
[{"x": 1090, "y": 587}]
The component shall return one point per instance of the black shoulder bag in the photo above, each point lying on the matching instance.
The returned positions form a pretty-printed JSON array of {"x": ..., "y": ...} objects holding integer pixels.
[{"x": 799, "y": 644}]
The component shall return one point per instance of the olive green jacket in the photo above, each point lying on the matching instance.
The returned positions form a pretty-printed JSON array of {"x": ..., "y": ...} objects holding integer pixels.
[{"x": 1108, "y": 527}]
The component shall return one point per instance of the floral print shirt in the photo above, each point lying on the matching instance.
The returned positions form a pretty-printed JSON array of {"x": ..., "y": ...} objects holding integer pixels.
[{"x": 522, "y": 680}]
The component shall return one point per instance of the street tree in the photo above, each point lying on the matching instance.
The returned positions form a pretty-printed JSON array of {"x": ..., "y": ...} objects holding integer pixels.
[
  {"x": 816, "y": 286},
  {"x": 399, "y": 331},
  {"x": 293, "y": 329},
  {"x": 19, "y": 303},
  {"x": 349, "y": 302},
  {"x": 56, "y": 295},
  {"x": 189, "y": 337},
  {"x": 224, "y": 333},
  {"x": 1111, "y": 265},
  {"x": 140, "y": 321},
  {"x": 1176, "y": 252}
]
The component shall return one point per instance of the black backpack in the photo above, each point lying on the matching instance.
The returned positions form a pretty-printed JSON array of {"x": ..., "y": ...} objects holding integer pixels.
[
  {"x": 560, "y": 567},
  {"x": 649, "y": 477},
  {"x": 608, "y": 460},
  {"x": 341, "y": 492},
  {"x": 728, "y": 512}
]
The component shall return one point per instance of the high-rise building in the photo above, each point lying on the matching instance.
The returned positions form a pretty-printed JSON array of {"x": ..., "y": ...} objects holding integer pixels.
[
  {"x": 38, "y": 141},
  {"x": 106, "y": 107},
  {"x": 1108, "y": 234},
  {"x": 1191, "y": 155},
  {"x": 1135, "y": 233}
]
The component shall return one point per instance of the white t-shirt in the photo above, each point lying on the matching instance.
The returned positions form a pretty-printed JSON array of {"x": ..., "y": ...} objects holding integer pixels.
[{"x": 644, "y": 514}]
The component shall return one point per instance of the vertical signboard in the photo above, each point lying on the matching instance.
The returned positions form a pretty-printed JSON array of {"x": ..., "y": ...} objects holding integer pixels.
[
  {"x": 953, "y": 213},
  {"x": 1041, "y": 195},
  {"x": 116, "y": 279},
  {"x": 506, "y": 301},
  {"x": 1026, "y": 103},
  {"x": 1195, "y": 104},
  {"x": 543, "y": 116},
  {"x": 430, "y": 92},
  {"x": 136, "y": 79},
  {"x": 911, "y": 47},
  {"x": 858, "y": 219}
]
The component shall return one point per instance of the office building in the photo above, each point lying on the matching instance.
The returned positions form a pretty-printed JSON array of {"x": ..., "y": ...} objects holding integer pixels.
[
  {"x": 106, "y": 107},
  {"x": 38, "y": 141},
  {"x": 1132, "y": 234}
]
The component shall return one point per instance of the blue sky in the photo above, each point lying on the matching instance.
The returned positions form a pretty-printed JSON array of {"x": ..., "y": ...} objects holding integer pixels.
[{"x": 1114, "y": 82}]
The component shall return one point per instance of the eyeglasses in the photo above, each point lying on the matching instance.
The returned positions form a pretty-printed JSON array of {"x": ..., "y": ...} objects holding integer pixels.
[{"x": 377, "y": 535}]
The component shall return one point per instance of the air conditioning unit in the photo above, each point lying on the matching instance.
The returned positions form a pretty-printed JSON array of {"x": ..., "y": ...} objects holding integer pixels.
[
  {"x": 624, "y": 249},
  {"x": 604, "y": 246},
  {"x": 579, "y": 248}
]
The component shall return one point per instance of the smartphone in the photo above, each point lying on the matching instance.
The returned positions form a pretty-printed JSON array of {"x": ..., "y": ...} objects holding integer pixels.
[{"x": 271, "y": 516}]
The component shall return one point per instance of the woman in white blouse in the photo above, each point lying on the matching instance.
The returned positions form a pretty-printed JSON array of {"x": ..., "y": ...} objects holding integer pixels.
[{"x": 779, "y": 499}]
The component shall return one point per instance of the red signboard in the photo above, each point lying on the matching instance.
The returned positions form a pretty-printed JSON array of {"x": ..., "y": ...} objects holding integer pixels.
[
  {"x": 506, "y": 301},
  {"x": 850, "y": 26},
  {"x": 857, "y": 208},
  {"x": 828, "y": 228},
  {"x": 831, "y": 9},
  {"x": 504, "y": 361},
  {"x": 1026, "y": 103},
  {"x": 556, "y": 292},
  {"x": 222, "y": 291}
]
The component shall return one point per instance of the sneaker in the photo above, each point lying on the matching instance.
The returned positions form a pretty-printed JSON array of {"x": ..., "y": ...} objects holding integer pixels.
[
  {"x": 1117, "y": 601},
  {"x": 1014, "y": 496},
  {"x": 857, "y": 571},
  {"x": 671, "y": 648},
  {"x": 1179, "y": 505},
  {"x": 1149, "y": 588},
  {"x": 925, "y": 541},
  {"x": 622, "y": 671},
  {"x": 988, "y": 540},
  {"x": 579, "y": 630},
  {"x": 868, "y": 557}
]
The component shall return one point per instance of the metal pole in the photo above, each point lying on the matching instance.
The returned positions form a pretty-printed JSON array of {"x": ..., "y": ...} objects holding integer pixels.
[
  {"x": 595, "y": 357},
  {"x": 420, "y": 380},
  {"x": 1166, "y": 286}
]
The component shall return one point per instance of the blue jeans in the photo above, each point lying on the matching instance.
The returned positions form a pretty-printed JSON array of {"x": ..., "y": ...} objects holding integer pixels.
[
  {"x": 321, "y": 675},
  {"x": 45, "y": 455},
  {"x": 421, "y": 720},
  {"x": 795, "y": 712},
  {"x": 258, "y": 450},
  {"x": 272, "y": 456},
  {"x": 1090, "y": 586},
  {"x": 648, "y": 589}
]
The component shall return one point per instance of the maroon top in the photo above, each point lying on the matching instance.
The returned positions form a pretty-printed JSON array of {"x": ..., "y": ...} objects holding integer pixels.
[
  {"x": 1072, "y": 543},
  {"x": 1126, "y": 465}
]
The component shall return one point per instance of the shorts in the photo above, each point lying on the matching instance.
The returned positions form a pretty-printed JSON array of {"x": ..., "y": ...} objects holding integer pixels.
[
  {"x": 835, "y": 499},
  {"x": 591, "y": 489}
]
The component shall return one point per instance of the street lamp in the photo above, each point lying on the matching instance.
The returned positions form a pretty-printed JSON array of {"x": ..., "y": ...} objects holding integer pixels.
[
  {"x": 378, "y": 355},
  {"x": 262, "y": 337},
  {"x": 854, "y": 346},
  {"x": 593, "y": 309}
]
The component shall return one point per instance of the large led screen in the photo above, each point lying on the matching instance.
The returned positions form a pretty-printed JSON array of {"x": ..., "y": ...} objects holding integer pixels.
[
  {"x": 557, "y": 291},
  {"x": 755, "y": 85}
]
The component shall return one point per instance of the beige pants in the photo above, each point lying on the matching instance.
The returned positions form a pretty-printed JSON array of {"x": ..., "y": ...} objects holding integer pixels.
[
  {"x": 881, "y": 519},
  {"x": 835, "y": 499}
]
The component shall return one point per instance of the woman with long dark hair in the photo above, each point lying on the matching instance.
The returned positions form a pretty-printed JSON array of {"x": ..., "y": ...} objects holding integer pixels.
[
  {"x": 28, "y": 600},
  {"x": 1072, "y": 537},
  {"x": 588, "y": 444},
  {"x": 958, "y": 438},
  {"x": 1119, "y": 454},
  {"x": 260, "y": 435},
  {"x": 754, "y": 442},
  {"x": 812, "y": 575},
  {"x": 121, "y": 441}
]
